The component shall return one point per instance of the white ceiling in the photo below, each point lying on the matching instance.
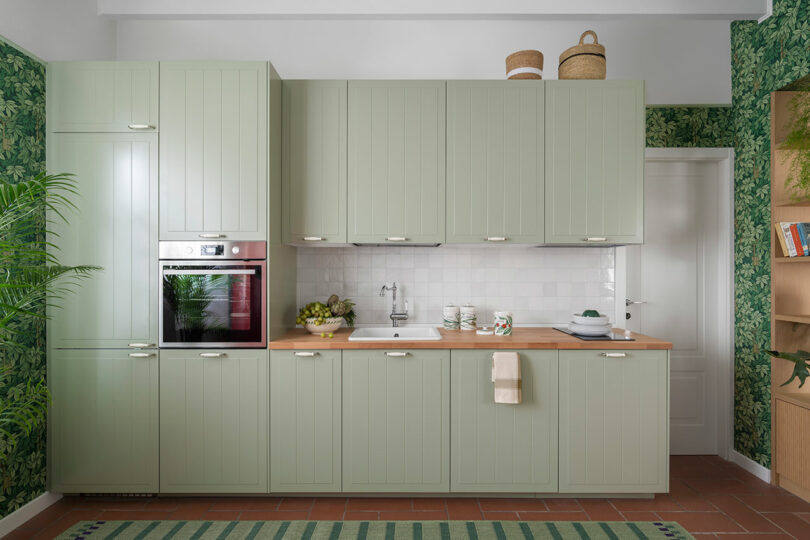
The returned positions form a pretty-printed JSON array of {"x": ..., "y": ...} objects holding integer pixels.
[{"x": 448, "y": 9}]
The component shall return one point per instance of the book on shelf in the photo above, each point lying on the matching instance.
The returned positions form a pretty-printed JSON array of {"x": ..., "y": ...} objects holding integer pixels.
[{"x": 794, "y": 238}]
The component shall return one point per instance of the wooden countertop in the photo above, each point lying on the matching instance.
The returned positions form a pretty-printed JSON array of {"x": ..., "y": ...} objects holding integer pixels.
[{"x": 521, "y": 338}]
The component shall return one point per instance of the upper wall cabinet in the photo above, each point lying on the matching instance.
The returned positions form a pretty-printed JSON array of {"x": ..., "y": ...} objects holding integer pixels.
[
  {"x": 594, "y": 162},
  {"x": 213, "y": 150},
  {"x": 102, "y": 96},
  {"x": 396, "y": 161},
  {"x": 314, "y": 161},
  {"x": 495, "y": 161}
]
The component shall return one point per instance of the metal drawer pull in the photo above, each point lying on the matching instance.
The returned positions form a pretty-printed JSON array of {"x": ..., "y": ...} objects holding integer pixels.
[
  {"x": 396, "y": 239},
  {"x": 496, "y": 239},
  {"x": 211, "y": 235},
  {"x": 139, "y": 127},
  {"x": 596, "y": 239},
  {"x": 212, "y": 355},
  {"x": 614, "y": 354},
  {"x": 397, "y": 354},
  {"x": 306, "y": 354},
  {"x": 141, "y": 355},
  {"x": 141, "y": 345},
  {"x": 314, "y": 239}
]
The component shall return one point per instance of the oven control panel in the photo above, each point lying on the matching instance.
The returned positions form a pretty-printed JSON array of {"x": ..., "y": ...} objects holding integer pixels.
[{"x": 212, "y": 250}]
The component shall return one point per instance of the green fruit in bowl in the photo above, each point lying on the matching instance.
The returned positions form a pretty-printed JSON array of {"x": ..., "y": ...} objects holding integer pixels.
[{"x": 590, "y": 313}]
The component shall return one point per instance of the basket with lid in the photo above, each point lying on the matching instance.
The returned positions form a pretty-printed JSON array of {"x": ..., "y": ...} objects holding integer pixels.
[
  {"x": 524, "y": 65},
  {"x": 585, "y": 60}
]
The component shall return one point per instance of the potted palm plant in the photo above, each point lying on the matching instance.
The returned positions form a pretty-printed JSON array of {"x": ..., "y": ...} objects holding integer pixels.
[{"x": 30, "y": 278}]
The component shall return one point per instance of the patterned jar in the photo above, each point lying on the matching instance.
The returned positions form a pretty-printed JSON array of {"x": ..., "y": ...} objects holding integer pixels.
[
  {"x": 451, "y": 317},
  {"x": 503, "y": 323},
  {"x": 468, "y": 317}
]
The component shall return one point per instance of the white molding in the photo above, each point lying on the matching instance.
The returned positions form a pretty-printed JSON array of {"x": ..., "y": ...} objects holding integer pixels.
[
  {"x": 763, "y": 473},
  {"x": 26, "y": 512}
]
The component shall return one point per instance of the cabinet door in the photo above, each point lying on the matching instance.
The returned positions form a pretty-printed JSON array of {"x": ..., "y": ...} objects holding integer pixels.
[
  {"x": 614, "y": 421},
  {"x": 114, "y": 227},
  {"x": 314, "y": 161},
  {"x": 213, "y": 150},
  {"x": 495, "y": 161},
  {"x": 396, "y": 421},
  {"x": 396, "y": 161},
  {"x": 214, "y": 421},
  {"x": 305, "y": 429},
  {"x": 498, "y": 447},
  {"x": 103, "y": 421},
  {"x": 102, "y": 96},
  {"x": 594, "y": 162}
]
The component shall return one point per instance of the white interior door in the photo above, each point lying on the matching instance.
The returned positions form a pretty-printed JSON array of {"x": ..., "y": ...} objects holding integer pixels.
[{"x": 676, "y": 274}]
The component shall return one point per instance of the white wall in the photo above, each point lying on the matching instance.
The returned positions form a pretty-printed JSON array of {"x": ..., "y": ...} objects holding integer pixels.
[
  {"x": 683, "y": 61},
  {"x": 58, "y": 29}
]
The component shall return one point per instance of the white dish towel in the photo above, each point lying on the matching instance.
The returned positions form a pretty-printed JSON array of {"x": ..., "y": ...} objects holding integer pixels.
[{"x": 506, "y": 376}]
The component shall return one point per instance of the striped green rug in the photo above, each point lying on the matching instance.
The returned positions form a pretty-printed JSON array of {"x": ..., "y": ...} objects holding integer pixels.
[{"x": 388, "y": 530}]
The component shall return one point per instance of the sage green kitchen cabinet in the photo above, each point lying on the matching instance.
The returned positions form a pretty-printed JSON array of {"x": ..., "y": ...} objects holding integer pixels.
[
  {"x": 595, "y": 162},
  {"x": 500, "y": 447},
  {"x": 102, "y": 96},
  {"x": 396, "y": 421},
  {"x": 396, "y": 162},
  {"x": 495, "y": 169},
  {"x": 214, "y": 421},
  {"x": 115, "y": 227},
  {"x": 213, "y": 150},
  {"x": 614, "y": 411},
  {"x": 314, "y": 161},
  {"x": 305, "y": 421},
  {"x": 103, "y": 421}
]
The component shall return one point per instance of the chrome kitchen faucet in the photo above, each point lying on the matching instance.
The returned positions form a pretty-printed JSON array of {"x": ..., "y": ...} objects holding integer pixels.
[{"x": 395, "y": 317}]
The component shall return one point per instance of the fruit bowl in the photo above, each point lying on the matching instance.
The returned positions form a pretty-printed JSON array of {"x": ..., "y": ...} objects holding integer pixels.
[{"x": 329, "y": 324}]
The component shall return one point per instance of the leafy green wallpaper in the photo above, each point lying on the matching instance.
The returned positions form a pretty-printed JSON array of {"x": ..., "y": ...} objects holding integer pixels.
[
  {"x": 764, "y": 57},
  {"x": 688, "y": 126},
  {"x": 22, "y": 155}
]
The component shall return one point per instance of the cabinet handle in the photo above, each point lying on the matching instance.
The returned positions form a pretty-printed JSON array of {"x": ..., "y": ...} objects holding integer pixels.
[
  {"x": 596, "y": 239},
  {"x": 614, "y": 354},
  {"x": 396, "y": 239},
  {"x": 140, "y": 127},
  {"x": 211, "y": 235},
  {"x": 496, "y": 239},
  {"x": 141, "y": 355},
  {"x": 314, "y": 239},
  {"x": 397, "y": 354},
  {"x": 212, "y": 355},
  {"x": 306, "y": 354},
  {"x": 141, "y": 345}
]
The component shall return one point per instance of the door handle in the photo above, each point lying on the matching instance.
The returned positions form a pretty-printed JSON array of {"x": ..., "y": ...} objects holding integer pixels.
[
  {"x": 397, "y": 354},
  {"x": 496, "y": 239},
  {"x": 596, "y": 239},
  {"x": 396, "y": 239},
  {"x": 212, "y": 355},
  {"x": 141, "y": 355},
  {"x": 614, "y": 354},
  {"x": 141, "y": 345},
  {"x": 314, "y": 239},
  {"x": 306, "y": 354},
  {"x": 140, "y": 127},
  {"x": 211, "y": 235},
  {"x": 628, "y": 302}
]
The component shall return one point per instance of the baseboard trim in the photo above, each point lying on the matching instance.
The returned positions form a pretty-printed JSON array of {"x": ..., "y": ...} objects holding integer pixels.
[
  {"x": 27, "y": 511},
  {"x": 763, "y": 473}
]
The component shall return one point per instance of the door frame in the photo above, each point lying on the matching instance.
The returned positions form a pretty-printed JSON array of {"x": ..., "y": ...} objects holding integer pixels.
[{"x": 724, "y": 157}]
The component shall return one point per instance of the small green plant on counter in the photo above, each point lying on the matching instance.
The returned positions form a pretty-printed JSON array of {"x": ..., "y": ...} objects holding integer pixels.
[
  {"x": 798, "y": 140},
  {"x": 801, "y": 370}
]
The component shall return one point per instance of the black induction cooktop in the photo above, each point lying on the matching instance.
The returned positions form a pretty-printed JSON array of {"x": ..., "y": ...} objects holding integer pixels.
[{"x": 613, "y": 336}]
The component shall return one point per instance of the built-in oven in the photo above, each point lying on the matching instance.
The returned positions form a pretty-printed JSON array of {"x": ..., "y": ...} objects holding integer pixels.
[{"x": 213, "y": 294}]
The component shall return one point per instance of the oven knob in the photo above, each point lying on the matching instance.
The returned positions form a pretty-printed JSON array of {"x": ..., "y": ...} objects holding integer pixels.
[
  {"x": 235, "y": 250},
  {"x": 189, "y": 250}
]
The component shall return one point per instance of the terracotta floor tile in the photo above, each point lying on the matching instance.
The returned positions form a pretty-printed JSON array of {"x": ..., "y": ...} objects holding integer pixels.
[
  {"x": 553, "y": 516},
  {"x": 720, "y": 486},
  {"x": 425, "y": 515},
  {"x": 742, "y": 514},
  {"x": 562, "y": 505},
  {"x": 189, "y": 512},
  {"x": 600, "y": 510},
  {"x": 748, "y": 536},
  {"x": 329, "y": 503},
  {"x": 293, "y": 503},
  {"x": 126, "y": 515},
  {"x": 790, "y": 523},
  {"x": 775, "y": 503},
  {"x": 273, "y": 515},
  {"x": 466, "y": 504},
  {"x": 379, "y": 504},
  {"x": 501, "y": 516},
  {"x": 633, "y": 515},
  {"x": 709, "y": 536},
  {"x": 537, "y": 505},
  {"x": 20, "y": 534},
  {"x": 429, "y": 504},
  {"x": 702, "y": 521},
  {"x": 361, "y": 516},
  {"x": 222, "y": 515},
  {"x": 464, "y": 514},
  {"x": 112, "y": 504},
  {"x": 335, "y": 514},
  {"x": 656, "y": 504},
  {"x": 246, "y": 503}
]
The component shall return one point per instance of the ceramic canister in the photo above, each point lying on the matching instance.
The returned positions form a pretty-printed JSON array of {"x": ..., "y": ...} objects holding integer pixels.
[
  {"x": 503, "y": 323},
  {"x": 451, "y": 317},
  {"x": 468, "y": 317}
]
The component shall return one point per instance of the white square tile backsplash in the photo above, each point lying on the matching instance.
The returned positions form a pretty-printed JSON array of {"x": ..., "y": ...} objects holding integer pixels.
[{"x": 538, "y": 285}]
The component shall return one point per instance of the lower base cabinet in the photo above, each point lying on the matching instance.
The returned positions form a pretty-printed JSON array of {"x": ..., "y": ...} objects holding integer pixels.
[
  {"x": 500, "y": 447},
  {"x": 614, "y": 429},
  {"x": 103, "y": 421},
  {"x": 305, "y": 418},
  {"x": 396, "y": 421},
  {"x": 214, "y": 421}
]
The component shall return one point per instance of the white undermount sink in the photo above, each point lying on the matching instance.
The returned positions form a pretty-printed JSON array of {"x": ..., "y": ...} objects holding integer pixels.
[{"x": 387, "y": 333}]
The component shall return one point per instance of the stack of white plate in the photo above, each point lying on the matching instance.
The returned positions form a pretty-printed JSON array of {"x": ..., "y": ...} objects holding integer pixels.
[{"x": 590, "y": 326}]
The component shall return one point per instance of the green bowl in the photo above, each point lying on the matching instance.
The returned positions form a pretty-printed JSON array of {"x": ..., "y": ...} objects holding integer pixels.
[{"x": 590, "y": 313}]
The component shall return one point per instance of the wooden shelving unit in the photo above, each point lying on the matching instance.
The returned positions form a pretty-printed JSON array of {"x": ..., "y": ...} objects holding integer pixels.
[{"x": 790, "y": 321}]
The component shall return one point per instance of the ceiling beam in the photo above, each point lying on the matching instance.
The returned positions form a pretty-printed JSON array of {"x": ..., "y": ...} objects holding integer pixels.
[{"x": 430, "y": 9}]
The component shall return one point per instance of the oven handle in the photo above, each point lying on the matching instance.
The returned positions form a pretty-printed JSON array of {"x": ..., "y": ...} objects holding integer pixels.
[{"x": 239, "y": 272}]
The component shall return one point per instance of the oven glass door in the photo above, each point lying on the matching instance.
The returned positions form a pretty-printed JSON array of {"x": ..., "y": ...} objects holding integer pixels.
[{"x": 213, "y": 304}]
